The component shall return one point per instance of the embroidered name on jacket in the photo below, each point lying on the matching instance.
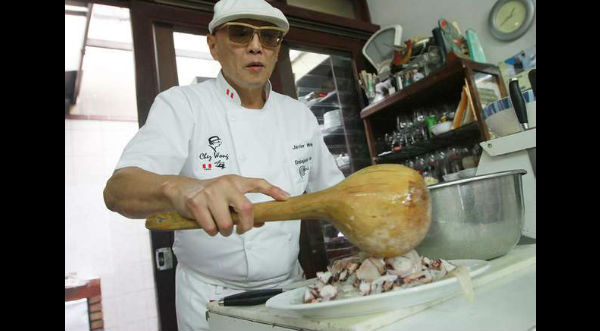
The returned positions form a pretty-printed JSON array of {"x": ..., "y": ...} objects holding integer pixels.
[
  {"x": 214, "y": 158},
  {"x": 302, "y": 163}
]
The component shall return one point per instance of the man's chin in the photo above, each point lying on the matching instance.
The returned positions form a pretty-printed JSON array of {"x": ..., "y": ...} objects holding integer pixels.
[
  {"x": 251, "y": 81},
  {"x": 256, "y": 81}
]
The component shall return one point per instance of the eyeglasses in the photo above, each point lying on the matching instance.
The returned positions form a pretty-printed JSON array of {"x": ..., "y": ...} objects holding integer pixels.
[{"x": 242, "y": 33}]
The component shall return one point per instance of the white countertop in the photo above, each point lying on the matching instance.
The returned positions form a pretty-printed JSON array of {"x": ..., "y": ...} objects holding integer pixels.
[{"x": 505, "y": 299}]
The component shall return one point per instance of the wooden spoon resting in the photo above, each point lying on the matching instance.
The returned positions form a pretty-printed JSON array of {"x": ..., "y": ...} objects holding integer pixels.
[{"x": 383, "y": 209}]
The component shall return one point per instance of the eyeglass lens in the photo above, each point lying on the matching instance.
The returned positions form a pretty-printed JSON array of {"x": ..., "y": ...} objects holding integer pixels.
[{"x": 243, "y": 34}]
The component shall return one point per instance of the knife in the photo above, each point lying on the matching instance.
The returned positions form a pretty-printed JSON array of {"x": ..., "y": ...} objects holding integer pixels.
[
  {"x": 518, "y": 102},
  {"x": 258, "y": 297}
]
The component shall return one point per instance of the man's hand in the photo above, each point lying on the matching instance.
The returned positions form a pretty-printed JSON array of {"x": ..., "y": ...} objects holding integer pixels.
[{"x": 208, "y": 201}]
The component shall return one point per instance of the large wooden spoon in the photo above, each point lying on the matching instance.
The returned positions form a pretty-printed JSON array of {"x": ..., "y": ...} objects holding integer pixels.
[{"x": 383, "y": 209}]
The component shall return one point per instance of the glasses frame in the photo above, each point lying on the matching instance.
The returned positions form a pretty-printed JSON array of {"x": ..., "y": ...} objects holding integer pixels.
[{"x": 256, "y": 30}]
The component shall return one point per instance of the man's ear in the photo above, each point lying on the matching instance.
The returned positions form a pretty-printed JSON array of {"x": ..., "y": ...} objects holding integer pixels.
[{"x": 212, "y": 46}]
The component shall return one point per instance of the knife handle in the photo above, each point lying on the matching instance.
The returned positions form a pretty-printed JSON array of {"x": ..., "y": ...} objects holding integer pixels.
[
  {"x": 518, "y": 102},
  {"x": 250, "y": 298}
]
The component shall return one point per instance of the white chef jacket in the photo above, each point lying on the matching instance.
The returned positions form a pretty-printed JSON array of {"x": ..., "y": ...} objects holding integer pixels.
[{"x": 202, "y": 131}]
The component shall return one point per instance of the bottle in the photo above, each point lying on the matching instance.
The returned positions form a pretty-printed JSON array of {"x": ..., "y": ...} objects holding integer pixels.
[
  {"x": 455, "y": 161},
  {"x": 396, "y": 143}
]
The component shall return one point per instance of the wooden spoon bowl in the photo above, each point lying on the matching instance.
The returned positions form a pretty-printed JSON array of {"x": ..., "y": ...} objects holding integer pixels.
[{"x": 383, "y": 209}]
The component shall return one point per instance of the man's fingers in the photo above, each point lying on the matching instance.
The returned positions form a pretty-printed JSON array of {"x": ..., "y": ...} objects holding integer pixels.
[
  {"x": 243, "y": 207},
  {"x": 258, "y": 185},
  {"x": 220, "y": 212},
  {"x": 209, "y": 204},
  {"x": 203, "y": 216}
]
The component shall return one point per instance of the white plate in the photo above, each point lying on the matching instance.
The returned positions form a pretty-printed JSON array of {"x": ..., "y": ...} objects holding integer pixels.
[{"x": 291, "y": 301}]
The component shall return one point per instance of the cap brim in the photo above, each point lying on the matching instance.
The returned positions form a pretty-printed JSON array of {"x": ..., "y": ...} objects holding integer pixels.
[{"x": 232, "y": 17}]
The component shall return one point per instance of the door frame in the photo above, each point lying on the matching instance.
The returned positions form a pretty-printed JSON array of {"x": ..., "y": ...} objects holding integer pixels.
[{"x": 156, "y": 71}]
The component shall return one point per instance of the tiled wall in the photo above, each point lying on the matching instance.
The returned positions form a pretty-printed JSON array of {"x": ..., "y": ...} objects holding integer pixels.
[{"x": 98, "y": 242}]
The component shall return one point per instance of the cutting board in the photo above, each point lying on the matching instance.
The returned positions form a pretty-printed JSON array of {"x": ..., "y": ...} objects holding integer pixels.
[{"x": 519, "y": 258}]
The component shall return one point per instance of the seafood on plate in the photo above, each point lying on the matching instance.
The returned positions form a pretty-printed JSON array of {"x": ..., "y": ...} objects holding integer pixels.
[{"x": 366, "y": 275}]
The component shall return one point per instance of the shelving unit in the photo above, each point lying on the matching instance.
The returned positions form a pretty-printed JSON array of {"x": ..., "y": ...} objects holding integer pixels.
[
  {"x": 461, "y": 136},
  {"x": 443, "y": 87},
  {"x": 335, "y": 76}
]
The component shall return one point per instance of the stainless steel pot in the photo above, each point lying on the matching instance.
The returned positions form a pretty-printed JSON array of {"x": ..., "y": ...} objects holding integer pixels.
[{"x": 475, "y": 218}]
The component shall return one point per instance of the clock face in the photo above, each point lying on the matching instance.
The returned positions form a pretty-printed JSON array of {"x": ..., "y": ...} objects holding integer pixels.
[{"x": 510, "y": 17}]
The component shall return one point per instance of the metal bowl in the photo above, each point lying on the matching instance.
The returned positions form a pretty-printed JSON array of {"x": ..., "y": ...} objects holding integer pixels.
[{"x": 475, "y": 218}]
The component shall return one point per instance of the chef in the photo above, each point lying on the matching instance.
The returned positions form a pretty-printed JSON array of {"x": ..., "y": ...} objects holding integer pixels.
[{"x": 230, "y": 141}]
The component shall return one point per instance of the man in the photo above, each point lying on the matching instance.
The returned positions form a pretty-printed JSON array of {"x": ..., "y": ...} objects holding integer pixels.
[{"x": 230, "y": 141}]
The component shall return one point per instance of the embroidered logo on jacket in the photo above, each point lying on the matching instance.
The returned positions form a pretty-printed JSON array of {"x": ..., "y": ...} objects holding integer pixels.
[
  {"x": 302, "y": 170},
  {"x": 215, "y": 158}
]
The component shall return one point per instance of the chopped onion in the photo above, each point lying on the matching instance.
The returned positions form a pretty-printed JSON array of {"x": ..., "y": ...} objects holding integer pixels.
[{"x": 464, "y": 278}]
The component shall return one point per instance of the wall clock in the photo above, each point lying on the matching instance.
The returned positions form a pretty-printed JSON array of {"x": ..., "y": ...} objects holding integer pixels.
[{"x": 510, "y": 19}]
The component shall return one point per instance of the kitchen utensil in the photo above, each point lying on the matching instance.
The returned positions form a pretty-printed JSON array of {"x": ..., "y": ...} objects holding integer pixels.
[
  {"x": 257, "y": 297},
  {"x": 438, "y": 37},
  {"x": 292, "y": 301},
  {"x": 479, "y": 217},
  {"x": 531, "y": 76},
  {"x": 250, "y": 298},
  {"x": 383, "y": 209},
  {"x": 518, "y": 102},
  {"x": 379, "y": 49}
]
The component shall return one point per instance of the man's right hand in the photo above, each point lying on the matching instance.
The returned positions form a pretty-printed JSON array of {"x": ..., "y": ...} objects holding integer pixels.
[{"x": 208, "y": 201}]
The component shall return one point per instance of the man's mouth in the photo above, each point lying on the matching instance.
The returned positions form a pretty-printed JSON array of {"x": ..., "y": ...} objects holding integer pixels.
[{"x": 255, "y": 66}]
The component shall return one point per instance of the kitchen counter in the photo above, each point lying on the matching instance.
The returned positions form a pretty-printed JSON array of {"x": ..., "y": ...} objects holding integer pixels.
[{"x": 505, "y": 299}]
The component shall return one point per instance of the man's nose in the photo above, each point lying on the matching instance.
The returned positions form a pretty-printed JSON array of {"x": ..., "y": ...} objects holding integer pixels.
[{"x": 255, "y": 46}]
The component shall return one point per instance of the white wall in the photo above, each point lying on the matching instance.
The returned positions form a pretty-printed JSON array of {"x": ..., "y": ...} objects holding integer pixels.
[
  {"x": 98, "y": 242},
  {"x": 419, "y": 17}
]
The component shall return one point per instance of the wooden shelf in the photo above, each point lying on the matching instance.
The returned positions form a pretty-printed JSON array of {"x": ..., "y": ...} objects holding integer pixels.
[
  {"x": 442, "y": 87},
  {"x": 432, "y": 86},
  {"x": 411, "y": 91}
]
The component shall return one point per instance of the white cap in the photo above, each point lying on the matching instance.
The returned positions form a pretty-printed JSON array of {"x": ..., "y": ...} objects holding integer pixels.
[{"x": 230, "y": 10}]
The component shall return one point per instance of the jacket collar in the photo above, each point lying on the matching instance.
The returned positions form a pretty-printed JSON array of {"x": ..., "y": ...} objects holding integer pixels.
[{"x": 225, "y": 90}]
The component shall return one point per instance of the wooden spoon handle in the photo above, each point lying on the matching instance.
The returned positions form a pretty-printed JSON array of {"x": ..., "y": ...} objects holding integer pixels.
[{"x": 303, "y": 206}]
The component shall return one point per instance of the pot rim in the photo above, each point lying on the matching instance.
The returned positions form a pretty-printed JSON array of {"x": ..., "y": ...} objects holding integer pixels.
[{"x": 477, "y": 178}]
